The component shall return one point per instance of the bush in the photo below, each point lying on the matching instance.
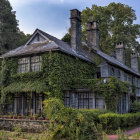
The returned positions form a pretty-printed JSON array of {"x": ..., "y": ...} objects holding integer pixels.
[
  {"x": 111, "y": 121},
  {"x": 134, "y": 107},
  {"x": 93, "y": 114},
  {"x": 69, "y": 123}
]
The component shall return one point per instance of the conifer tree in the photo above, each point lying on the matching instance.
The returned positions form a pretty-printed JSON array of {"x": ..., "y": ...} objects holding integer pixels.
[{"x": 8, "y": 27}]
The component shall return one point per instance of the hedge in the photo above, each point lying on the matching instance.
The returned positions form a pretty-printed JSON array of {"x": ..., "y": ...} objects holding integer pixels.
[{"x": 111, "y": 121}]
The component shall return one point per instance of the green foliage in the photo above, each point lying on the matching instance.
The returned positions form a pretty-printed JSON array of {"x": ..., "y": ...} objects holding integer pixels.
[
  {"x": 63, "y": 72},
  {"x": 115, "y": 25},
  {"x": 136, "y": 135},
  {"x": 135, "y": 106},
  {"x": 59, "y": 71},
  {"x": 17, "y": 135},
  {"x": 8, "y": 27},
  {"x": 111, "y": 90},
  {"x": 23, "y": 38},
  {"x": 10, "y": 35},
  {"x": 111, "y": 121},
  {"x": 121, "y": 135},
  {"x": 66, "y": 38},
  {"x": 69, "y": 123}
]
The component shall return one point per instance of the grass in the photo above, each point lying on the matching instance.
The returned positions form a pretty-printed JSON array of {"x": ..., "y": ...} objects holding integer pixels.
[
  {"x": 8, "y": 135},
  {"x": 136, "y": 135}
]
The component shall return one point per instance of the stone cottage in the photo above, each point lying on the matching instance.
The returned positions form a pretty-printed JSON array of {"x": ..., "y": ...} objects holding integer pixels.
[
  {"x": 115, "y": 66},
  {"x": 29, "y": 69}
]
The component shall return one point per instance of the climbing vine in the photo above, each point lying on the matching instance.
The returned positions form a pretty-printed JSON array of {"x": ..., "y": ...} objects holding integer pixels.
[
  {"x": 60, "y": 72},
  {"x": 111, "y": 91}
]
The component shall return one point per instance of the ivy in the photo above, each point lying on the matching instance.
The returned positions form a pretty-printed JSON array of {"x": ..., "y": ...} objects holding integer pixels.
[
  {"x": 111, "y": 91},
  {"x": 60, "y": 72}
]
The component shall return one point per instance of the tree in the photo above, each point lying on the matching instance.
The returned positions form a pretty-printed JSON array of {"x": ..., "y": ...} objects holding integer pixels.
[
  {"x": 23, "y": 38},
  {"x": 9, "y": 31},
  {"x": 66, "y": 38},
  {"x": 116, "y": 24}
]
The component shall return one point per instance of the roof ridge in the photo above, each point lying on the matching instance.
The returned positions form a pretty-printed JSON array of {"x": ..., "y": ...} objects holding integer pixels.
[{"x": 124, "y": 66}]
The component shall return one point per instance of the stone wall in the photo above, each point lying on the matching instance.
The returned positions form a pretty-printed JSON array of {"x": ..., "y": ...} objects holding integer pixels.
[{"x": 36, "y": 126}]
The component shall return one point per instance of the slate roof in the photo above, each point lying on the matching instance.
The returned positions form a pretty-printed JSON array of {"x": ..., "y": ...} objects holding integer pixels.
[
  {"x": 115, "y": 62},
  {"x": 55, "y": 44},
  {"x": 52, "y": 44}
]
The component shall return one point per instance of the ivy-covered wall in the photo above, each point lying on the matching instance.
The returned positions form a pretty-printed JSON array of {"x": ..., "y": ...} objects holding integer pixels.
[{"x": 59, "y": 71}]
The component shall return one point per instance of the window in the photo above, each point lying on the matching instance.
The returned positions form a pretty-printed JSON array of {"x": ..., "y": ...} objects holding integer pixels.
[
  {"x": 125, "y": 76},
  {"x": 27, "y": 64},
  {"x": 112, "y": 71},
  {"x": 23, "y": 65},
  {"x": 122, "y": 105},
  {"x": 36, "y": 63},
  {"x": 119, "y": 74},
  {"x": 78, "y": 100},
  {"x": 99, "y": 102}
]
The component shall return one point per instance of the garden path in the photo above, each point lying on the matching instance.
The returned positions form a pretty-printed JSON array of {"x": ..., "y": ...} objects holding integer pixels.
[{"x": 129, "y": 133}]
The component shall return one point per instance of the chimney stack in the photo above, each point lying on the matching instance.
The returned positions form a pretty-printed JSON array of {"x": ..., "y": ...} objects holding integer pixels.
[
  {"x": 134, "y": 61},
  {"x": 120, "y": 52},
  {"x": 76, "y": 30},
  {"x": 93, "y": 35}
]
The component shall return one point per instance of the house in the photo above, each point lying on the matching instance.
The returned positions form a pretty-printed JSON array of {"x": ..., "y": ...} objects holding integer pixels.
[
  {"x": 45, "y": 63},
  {"x": 115, "y": 66}
]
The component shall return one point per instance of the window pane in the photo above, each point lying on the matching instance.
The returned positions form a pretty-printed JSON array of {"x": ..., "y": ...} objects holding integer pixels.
[
  {"x": 67, "y": 99},
  {"x": 100, "y": 103},
  {"x": 23, "y": 65},
  {"x": 79, "y": 100},
  {"x": 36, "y": 63}
]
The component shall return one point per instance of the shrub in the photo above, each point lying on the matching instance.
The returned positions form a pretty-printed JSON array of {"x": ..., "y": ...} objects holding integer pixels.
[
  {"x": 111, "y": 121},
  {"x": 93, "y": 114},
  {"x": 134, "y": 107},
  {"x": 69, "y": 123}
]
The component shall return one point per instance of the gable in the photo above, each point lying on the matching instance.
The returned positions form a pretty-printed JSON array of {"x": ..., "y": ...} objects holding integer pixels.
[{"x": 36, "y": 39}]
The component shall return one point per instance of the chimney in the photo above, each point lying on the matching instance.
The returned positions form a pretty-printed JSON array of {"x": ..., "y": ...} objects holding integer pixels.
[
  {"x": 93, "y": 35},
  {"x": 76, "y": 30},
  {"x": 134, "y": 61},
  {"x": 120, "y": 52}
]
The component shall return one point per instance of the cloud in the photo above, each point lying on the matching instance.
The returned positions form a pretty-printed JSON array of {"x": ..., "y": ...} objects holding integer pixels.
[
  {"x": 61, "y": 1},
  {"x": 21, "y": 3},
  {"x": 18, "y": 3}
]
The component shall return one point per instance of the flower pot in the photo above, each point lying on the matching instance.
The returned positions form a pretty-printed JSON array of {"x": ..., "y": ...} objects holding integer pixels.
[
  {"x": 40, "y": 118},
  {"x": 34, "y": 118},
  {"x": 47, "y": 118},
  {"x": 19, "y": 117},
  {"x": 14, "y": 117}
]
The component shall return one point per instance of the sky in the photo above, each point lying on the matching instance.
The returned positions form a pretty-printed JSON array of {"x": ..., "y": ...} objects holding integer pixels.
[{"x": 52, "y": 16}]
